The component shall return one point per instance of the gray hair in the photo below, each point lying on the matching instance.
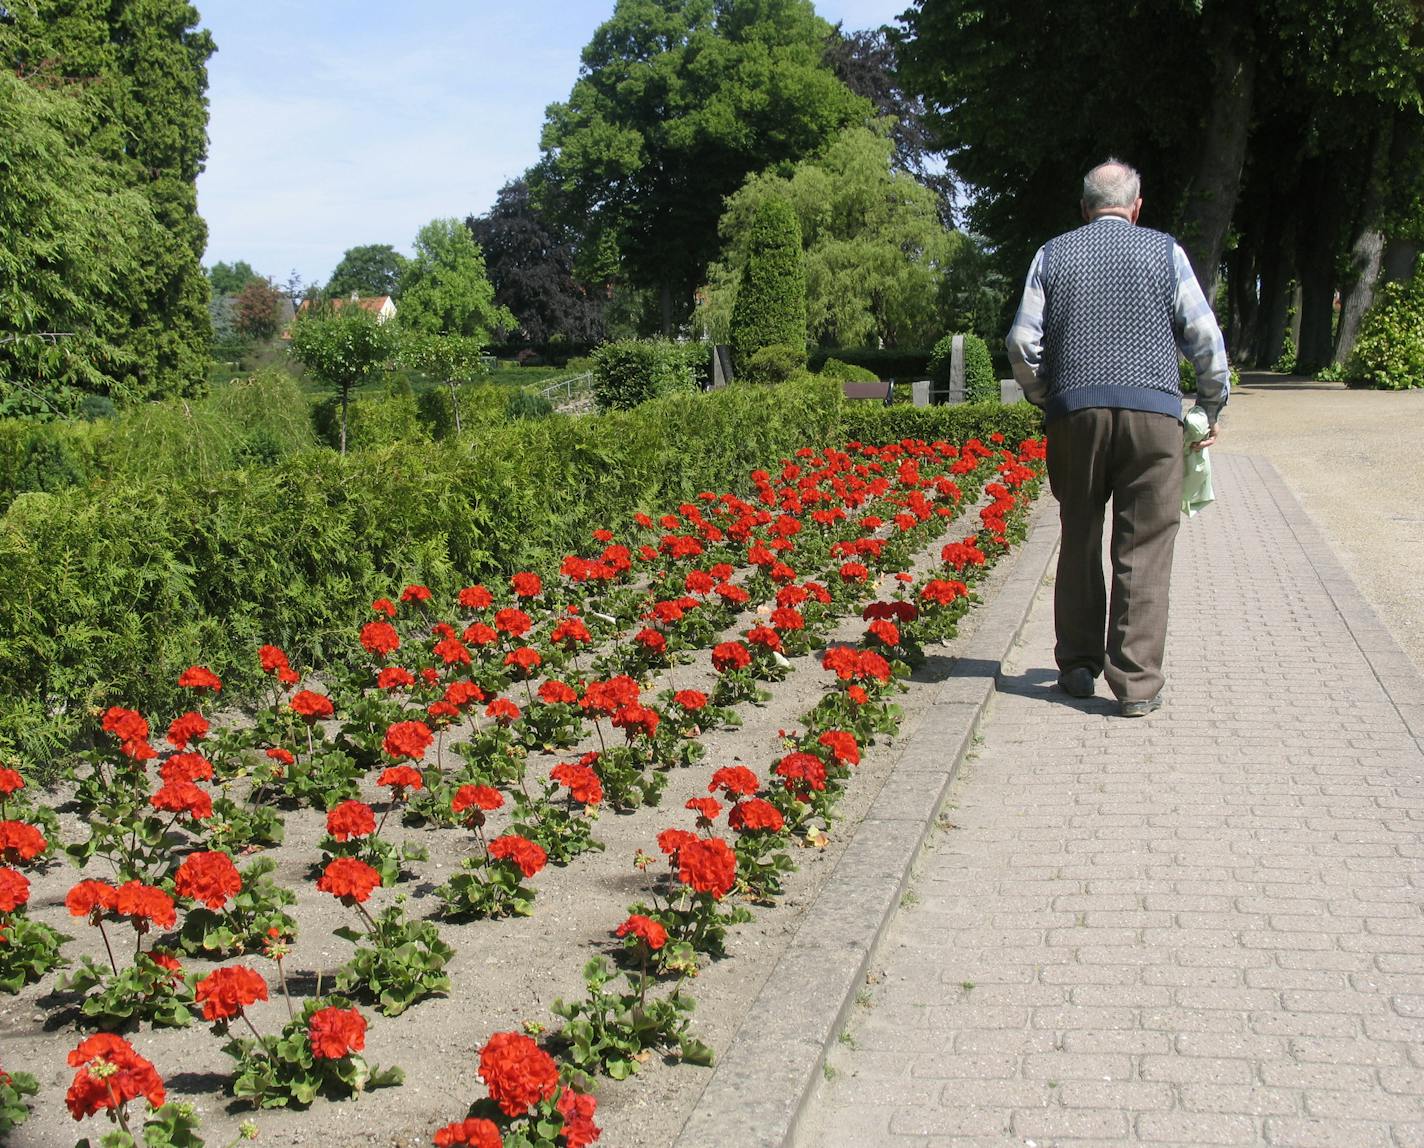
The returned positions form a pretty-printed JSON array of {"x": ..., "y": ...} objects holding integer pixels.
[{"x": 1111, "y": 184}]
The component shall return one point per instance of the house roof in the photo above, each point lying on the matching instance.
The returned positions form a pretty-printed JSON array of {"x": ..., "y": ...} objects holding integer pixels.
[{"x": 373, "y": 303}]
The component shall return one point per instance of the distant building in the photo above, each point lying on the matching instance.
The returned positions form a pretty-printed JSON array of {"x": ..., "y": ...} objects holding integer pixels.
[{"x": 381, "y": 306}]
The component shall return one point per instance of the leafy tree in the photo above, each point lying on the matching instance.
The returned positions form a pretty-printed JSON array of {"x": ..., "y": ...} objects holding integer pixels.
[
  {"x": 677, "y": 102},
  {"x": 444, "y": 288},
  {"x": 143, "y": 63},
  {"x": 771, "y": 299},
  {"x": 531, "y": 265},
  {"x": 374, "y": 269},
  {"x": 342, "y": 348},
  {"x": 230, "y": 278},
  {"x": 257, "y": 309},
  {"x": 875, "y": 248},
  {"x": 73, "y": 247},
  {"x": 448, "y": 359}
]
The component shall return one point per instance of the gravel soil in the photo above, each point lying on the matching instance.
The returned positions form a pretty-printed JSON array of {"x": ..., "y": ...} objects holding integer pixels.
[{"x": 505, "y": 974}]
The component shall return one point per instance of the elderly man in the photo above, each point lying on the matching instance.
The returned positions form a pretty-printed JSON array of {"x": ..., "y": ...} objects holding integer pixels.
[{"x": 1105, "y": 312}]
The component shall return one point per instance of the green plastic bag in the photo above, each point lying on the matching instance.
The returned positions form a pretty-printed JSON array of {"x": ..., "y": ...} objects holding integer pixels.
[{"x": 1196, "y": 474}]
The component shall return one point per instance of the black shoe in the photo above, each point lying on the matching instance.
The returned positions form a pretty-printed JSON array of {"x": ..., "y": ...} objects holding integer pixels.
[
  {"x": 1142, "y": 708},
  {"x": 1078, "y": 683}
]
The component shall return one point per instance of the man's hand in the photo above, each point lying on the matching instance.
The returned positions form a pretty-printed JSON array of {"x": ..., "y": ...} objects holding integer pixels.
[{"x": 1211, "y": 436}]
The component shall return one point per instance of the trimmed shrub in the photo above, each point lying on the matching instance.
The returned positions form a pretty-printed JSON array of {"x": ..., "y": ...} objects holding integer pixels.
[
  {"x": 1389, "y": 353},
  {"x": 873, "y": 423},
  {"x": 776, "y": 363},
  {"x": 847, "y": 372},
  {"x": 633, "y": 371},
  {"x": 889, "y": 363},
  {"x": 528, "y": 405},
  {"x": 980, "y": 382},
  {"x": 372, "y": 420},
  {"x": 771, "y": 299}
]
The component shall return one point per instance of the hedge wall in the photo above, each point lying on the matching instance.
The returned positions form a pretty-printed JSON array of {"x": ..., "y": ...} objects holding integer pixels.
[{"x": 886, "y": 364}]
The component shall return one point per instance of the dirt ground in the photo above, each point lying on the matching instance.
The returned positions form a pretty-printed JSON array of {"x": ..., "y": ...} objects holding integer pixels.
[
  {"x": 504, "y": 973},
  {"x": 1355, "y": 459}
]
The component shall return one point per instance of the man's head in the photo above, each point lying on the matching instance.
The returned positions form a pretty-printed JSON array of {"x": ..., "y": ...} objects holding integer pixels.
[{"x": 1112, "y": 188}]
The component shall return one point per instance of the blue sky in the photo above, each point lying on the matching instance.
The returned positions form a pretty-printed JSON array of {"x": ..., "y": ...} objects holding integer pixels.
[{"x": 335, "y": 124}]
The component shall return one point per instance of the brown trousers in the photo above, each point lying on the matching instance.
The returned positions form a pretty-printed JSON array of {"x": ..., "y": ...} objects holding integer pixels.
[{"x": 1134, "y": 458}]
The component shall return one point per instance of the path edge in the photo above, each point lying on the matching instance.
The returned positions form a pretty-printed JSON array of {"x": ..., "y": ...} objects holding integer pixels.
[{"x": 768, "y": 1075}]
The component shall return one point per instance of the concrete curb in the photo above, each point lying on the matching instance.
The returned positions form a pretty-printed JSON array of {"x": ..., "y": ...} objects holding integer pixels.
[
  {"x": 763, "y": 1081},
  {"x": 1396, "y": 672}
]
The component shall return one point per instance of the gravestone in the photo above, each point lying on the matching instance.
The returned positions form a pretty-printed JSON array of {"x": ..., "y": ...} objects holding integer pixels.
[
  {"x": 721, "y": 365},
  {"x": 920, "y": 392},
  {"x": 956, "y": 370}
]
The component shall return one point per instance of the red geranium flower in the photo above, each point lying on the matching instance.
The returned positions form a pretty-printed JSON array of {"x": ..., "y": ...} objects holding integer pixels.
[
  {"x": 476, "y": 796},
  {"x": 842, "y": 745},
  {"x": 394, "y": 678},
  {"x": 571, "y": 631},
  {"x": 802, "y": 771},
  {"x": 529, "y": 857},
  {"x": 515, "y": 623},
  {"x": 211, "y": 878},
  {"x": 452, "y": 651},
  {"x": 348, "y": 879},
  {"x": 581, "y": 782},
  {"x": 225, "y": 992},
  {"x": 555, "y": 692},
  {"x": 475, "y": 597},
  {"x": 635, "y": 719},
  {"x": 765, "y": 637},
  {"x": 734, "y": 780},
  {"x": 400, "y": 778},
  {"x": 463, "y": 693},
  {"x": 706, "y": 808},
  {"x": 384, "y": 606},
  {"x": 90, "y": 899},
  {"x": 110, "y": 1074},
  {"x": 517, "y": 1072},
  {"x": 200, "y": 678},
  {"x": 281, "y": 756},
  {"x": 312, "y": 705},
  {"x": 380, "y": 638},
  {"x": 408, "y": 739},
  {"x": 502, "y": 710},
  {"x": 14, "y": 890},
  {"x": 143, "y": 904},
  {"x": 415, "y": 593},
  {"x": 526, "y": 659},
  {"x": 10, "y": 781},
  {"x": 943, "y": 592},
  {"x": 707, "y": 865},
  {"x": 577, "y": 1109},
  {"x": 183, "y": 729},
  {"x": 730, "y": 656},
  {"x": 271, "y": 659},
  {"x": 125, "y": 725},
  {"x": 651, "y": 640},
  {"x": 350, "y": 819},
  {"x": 474, "y": 1131},
  {"x": 186, "y": 767},
  {"x": 20, "y": 841},
  {"x": 183, "y": 797},
  {"x": 754, "y": 813},
  {"x": 672, "y": 840},
  {"x": 526, "y": 585},
  {"x": 645, "y": 929},
  {"x": 336, "y": 1032},
  {"x": 690, "y": 700},
  {"x": 884, "y": 631},
  {"x": 478, "y": 634}
]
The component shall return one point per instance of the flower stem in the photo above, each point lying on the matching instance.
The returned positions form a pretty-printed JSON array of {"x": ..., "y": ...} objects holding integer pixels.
[{"x": 108, "y": 948}]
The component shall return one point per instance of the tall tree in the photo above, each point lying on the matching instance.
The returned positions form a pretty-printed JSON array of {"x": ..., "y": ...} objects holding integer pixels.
[
  {"x": 676, "y": 103},
  {"x": 73, "y": 252},
  {"x": 144, "y": 63},
  {"x": 876, "y": 250},
  {"x": 444, "y": 288},
  {"x": 230, "y": 278},
  {"x": 343, "y": 347},
  {"x": 374, "y": 269},
  {"x": 531, "y": 262}
]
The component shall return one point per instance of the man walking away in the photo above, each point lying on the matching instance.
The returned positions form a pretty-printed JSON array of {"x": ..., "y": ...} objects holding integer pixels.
[{"x": 1105, "y": 312}]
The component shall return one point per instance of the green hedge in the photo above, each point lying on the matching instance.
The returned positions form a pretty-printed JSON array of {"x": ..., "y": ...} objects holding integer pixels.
[
  {"x": 873, "y": 423},
  {"x": 884, "y": 364},
  {"x": 847, "y": 372},
  {"x": 633, "y": 371},
  {"x": 1389, "y": 353}
]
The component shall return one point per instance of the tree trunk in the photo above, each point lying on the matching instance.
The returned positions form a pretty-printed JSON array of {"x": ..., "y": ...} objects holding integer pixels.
[
  {"x": 1274, "y": 320},
  {"x": 1211, "y": 194},
  {"x": 1366, "y": 248},
  {"x": 1243, "y": 271},
  {"x": 665, "y": 305},
  {"x": 1399, "y": 259}
]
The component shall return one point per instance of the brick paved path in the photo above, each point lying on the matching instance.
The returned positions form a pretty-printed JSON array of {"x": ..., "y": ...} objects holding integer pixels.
[{"x": 1202, "y": 927}]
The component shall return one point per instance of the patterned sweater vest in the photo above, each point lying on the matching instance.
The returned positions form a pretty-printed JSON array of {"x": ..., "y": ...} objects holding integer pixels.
[{"x": 1109, "y": 293}]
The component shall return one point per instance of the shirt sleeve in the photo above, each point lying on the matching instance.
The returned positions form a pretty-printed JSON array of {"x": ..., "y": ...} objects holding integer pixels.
[
  {"x": 1199, "y": 338},
  {"x": 1025, "y": 341}
]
